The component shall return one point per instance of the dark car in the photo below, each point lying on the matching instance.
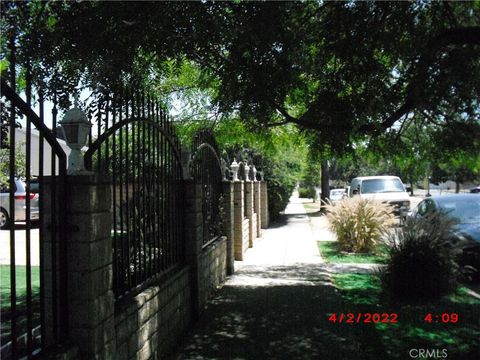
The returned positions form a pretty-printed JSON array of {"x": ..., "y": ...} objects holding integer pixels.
[
  {"x": 475, "y": 190},
  {"x": 465, "y": 208}
]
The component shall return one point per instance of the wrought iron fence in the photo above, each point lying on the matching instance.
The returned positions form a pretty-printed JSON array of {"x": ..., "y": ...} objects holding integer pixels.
[
  {"x": 206, "y": 169},
  {"x": 34, "y": 260},
  {"x": 137, "y": 148}
]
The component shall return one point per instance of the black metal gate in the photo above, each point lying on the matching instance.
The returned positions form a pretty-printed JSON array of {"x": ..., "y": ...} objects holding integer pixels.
[
  {"x": 137, "y": 148},
  {"x": 207, "y": 172},
  {"x": 32, "y": 261}
]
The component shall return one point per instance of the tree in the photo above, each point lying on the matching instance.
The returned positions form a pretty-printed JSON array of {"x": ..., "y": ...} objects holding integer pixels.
[
  {"x": 279, "y": 153},
  {"x": 19, "y": 160},
  {"x": 345, "y": 69}
]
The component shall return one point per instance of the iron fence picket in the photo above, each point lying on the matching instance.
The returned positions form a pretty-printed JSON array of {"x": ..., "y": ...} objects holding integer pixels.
[
  {"x": 207, "y": 174},
  {"x": 25, "y": 308},
  {"x": 145, "y": 167}
]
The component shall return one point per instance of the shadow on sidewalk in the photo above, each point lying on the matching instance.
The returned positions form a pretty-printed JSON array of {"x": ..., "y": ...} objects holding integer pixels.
[
  {"x": 284, "y": 219},
  {"x": 277, "y": 312}
]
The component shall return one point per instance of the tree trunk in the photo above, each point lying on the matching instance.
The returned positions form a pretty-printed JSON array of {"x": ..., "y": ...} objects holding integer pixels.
[
  {"x": 457, "y": 185},
  {"x": 325, "y": 176}
]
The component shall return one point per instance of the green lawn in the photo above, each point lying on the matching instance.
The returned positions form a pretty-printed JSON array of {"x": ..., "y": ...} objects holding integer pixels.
[
  {"x": 362, "y": 293},
  {"x": 332, "y": 254},
  {"x": 21, "y": 303},
  {"x": 21, "y": 280},
  {"x": 311, "y": 207}
]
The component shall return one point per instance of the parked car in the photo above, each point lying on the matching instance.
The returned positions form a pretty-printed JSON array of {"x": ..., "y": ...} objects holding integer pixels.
[
  {"x": 336, "y": 195},
  {"x": 389, "y": 189},
  {"x": 475, "y": 190},
  {"x": 465, "y": 208},
  {"x": 20, "y": 204}
]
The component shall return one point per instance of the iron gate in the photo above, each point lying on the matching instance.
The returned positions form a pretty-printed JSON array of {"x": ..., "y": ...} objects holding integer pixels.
[{"x": 33, "y": 164}]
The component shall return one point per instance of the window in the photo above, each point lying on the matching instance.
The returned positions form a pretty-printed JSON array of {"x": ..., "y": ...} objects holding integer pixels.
[{"x": 381, "y": 185}]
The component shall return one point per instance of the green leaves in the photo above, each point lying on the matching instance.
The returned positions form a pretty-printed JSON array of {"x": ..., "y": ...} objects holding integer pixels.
[{"x": 343, "y": 71}]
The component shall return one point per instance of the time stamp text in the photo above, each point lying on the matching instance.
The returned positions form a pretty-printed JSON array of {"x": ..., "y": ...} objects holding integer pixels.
[{"x": 389, "y": 318}]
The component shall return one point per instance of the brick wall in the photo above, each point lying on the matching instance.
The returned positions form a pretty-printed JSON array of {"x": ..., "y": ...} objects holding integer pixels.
[
  {"x": 257, "y": 207},
  {"x": 246, "y": 234},
  {"x": 149, "y": 325},
  {"x": 264, "y": 205},
  {"x": 250, "y": 211},
  {"x": 240, "y": 223},
  {"x": 252, "y": 229},
  {"x": 213, "y": 269},
  {"x": 228, "y": 222}
]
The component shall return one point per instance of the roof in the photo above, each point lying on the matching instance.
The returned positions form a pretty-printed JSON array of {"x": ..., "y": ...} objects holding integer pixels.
[
  {"x": 449, "y": 197},
  {"x": 377, "y": 177}
]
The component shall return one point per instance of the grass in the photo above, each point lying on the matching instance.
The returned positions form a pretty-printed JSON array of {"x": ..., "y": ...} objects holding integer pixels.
[
  {"x": 21, "y": 281},
  {"x": 21, "y": 300},
  {"x": 362, "y": 293},
  {"x": 330, "y": 251},
  {"x": 311, "y": 207}
]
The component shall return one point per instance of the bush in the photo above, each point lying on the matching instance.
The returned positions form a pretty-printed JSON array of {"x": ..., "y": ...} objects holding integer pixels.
[
  {"x": 359, "y": 223},
  {"x": 278, "y": 197},
  {"x": 421, "y": 262},
  {"x": 309, "y": 193}
]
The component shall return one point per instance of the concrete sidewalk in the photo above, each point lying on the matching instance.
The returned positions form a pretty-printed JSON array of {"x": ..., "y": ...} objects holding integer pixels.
[{"x": 276, "y": 304}]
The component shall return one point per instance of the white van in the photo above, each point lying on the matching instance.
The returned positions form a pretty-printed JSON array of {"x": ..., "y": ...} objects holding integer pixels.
[{"x": 388, "y": 189}]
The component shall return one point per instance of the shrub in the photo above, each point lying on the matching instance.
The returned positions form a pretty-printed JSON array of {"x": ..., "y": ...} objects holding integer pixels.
[
  {"x": 421, "y": 262},
  {"x": 359, "y": 223},
  {"x": 278, "y": 197},
  {"x": 309, "y": 193}
]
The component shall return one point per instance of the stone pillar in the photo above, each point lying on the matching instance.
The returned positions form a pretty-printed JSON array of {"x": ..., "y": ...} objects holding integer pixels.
[
  {"x": 250, "y": 212},
  {"x": 193, "y": 240},
  {"x": 257, "y": 208},
  {"x": 264, "y": 205},
  {"x": 228, "y": 221},
  {"x": 90, "y": 298},
  {"x": 238, "y": 219}
]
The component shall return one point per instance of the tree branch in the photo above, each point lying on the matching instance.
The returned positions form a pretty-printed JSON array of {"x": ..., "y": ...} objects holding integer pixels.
[
  {"x": 277, "y": 123},
  {"x": 455, "y": 36},
  {"x": 431, "y": 119}
]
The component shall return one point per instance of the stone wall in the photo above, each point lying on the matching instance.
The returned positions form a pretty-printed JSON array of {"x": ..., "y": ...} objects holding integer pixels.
[
  {"x": 240, "y": 223},
  {"x": 228, "y": 223},
  {"x": 62, "y": 352},
  {"x": 264, "y": 205},
  {"x": 250, "y": 212},
  {"x": 257, "y": 195},
  {"x": 213, "y": 269},
  {"x": 252, "y": 229},
  {"x": 149, "y": 325},
  {"x": 90, "y": 299}
]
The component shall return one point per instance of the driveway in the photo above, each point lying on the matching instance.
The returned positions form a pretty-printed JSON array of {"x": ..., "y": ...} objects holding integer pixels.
[{"x": 20, "y": 247}]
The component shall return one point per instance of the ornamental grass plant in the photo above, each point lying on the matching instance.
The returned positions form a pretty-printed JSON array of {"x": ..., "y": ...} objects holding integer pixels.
[
  {"x": 422, "y": 259},
  {"x": 359, "y": 224}
]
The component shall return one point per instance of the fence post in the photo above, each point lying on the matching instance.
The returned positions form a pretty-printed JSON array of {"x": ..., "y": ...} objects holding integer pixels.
[
  {"x": 264, "y": 205},
  {"x": 238, "y": 220},
  {"x": 228, "y": 224},
  {"x": 193, "y": 239},
  {"x": 90, "y": 297},
  {"x": 257, "y": 207},
  {"x": 252, "y": 227}
]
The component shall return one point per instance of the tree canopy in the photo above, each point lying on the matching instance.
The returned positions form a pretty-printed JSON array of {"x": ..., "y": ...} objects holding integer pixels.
[{"x": 343, "y": 70}]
